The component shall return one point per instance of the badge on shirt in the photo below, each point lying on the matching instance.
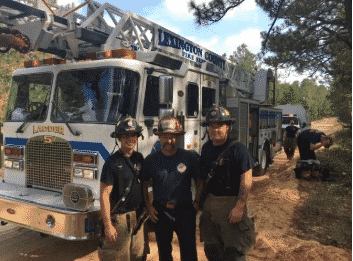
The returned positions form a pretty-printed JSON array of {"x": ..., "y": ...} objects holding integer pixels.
[
  {"x": 137, "y": 166},
  {"x": 120, "y": 166},
  {"x": 181, "y": 168}
]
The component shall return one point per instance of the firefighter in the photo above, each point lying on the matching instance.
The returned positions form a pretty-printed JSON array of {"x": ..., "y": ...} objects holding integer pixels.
[
  {"x": 170, "y": 171},
  {"x": 225, "y": 228},
  {"x": 119, "y": 172},
  {"x": 290, "y": 139},
  {"x": 309, "y": 141}
]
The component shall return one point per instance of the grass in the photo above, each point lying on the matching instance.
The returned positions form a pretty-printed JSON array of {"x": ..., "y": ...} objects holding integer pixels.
[{"x": 326, "y": 215}]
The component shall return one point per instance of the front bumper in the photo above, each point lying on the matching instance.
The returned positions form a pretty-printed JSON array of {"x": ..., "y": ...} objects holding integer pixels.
[{"x": 46, "y": 218}]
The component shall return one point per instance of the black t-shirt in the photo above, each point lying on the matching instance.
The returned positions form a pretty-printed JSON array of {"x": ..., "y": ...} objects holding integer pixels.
[
  {"x": 305, "y": 139},
  {"x": 117, "y": 172},
  {"x": 237, "y": 160},
  {"x": 291, "y": 131},
  {"x": 171, "y": 175}
]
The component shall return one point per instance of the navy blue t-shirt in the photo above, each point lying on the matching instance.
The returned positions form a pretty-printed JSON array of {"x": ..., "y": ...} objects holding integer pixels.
[
  {"x": 305, "y": 139},
  {"x": 171, "y": 175},
  {"x": 237, "y": 160},
  {"x": 291, "y": 131},
  {"x": 117, "y": 172}
]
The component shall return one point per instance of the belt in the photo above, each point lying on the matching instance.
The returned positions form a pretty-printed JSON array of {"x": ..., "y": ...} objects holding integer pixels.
[
  {"x": 118, "y": 218},
  {"x": 169, "y": 205},
  {"x": 124, "y": 211}
]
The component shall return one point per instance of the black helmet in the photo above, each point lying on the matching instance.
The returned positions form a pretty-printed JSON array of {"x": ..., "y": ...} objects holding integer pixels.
[
  {"x": 126, "y": 125},
  {"x": 169, "y": 124},
  {"x": 217, "y": 114}
]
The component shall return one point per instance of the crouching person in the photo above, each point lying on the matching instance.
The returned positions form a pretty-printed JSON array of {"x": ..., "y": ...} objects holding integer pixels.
[
  {"x": 120, "y": 217},
  {"x": 225, "y": 228}
]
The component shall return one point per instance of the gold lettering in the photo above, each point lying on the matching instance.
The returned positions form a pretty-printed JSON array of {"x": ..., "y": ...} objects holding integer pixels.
[
  {"x": 34, "y": 129},
  {"x": 56, "y": 129},
  {"x": 61, "y": 130},
  {"x": 39, "y": 128},
  {"x": 50, "y": 128},
  {"x": 45, "y": 128}
]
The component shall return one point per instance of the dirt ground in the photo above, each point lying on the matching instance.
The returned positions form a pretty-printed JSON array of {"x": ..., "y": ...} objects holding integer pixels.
[{"x": 272, "y": 202}]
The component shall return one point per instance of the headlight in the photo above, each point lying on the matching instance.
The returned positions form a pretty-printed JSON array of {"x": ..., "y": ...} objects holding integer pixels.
[
  {"x": 78, "y": 173},
  {"x": 8, "y": 164},
  {"x": 88, "y": 173},
  {"x": 85, "y": 173},
  {"x": 16, "y": 165}
]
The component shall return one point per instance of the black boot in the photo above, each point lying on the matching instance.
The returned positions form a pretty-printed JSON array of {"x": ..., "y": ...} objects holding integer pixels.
[
  {"x": 214, "y": 252},
  {"x": 232, "y": 254}
]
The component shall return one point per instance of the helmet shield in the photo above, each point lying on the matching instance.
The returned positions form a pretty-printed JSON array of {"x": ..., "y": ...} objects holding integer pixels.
[
  {"x": 218, "y": 114},
  {"x": 125, "y": 126},
  {"x": 169, "y": 124}
]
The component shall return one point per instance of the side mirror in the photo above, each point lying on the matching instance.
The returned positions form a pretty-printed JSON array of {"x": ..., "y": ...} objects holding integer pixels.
[{"x": 165, "y": 89}]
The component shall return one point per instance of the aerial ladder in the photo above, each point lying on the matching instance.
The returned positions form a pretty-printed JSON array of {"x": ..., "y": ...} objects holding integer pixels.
[{"x": 104, "y": 29}]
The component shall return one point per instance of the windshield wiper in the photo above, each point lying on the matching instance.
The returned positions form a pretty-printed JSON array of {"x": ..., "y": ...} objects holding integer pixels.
[
  {"x": 75, "y": 133},
  {"x": 26, "y": 120}
]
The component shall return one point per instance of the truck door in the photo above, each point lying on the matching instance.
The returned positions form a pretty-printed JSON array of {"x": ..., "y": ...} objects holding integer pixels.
[
  {"x": 208, "y": 98},
  {"x": 191, "y": 107},
  {"x": 148, "y": 116}
]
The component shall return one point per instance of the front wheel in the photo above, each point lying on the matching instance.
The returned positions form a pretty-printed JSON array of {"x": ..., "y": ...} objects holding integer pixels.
[{"x": 260, "y": 170}]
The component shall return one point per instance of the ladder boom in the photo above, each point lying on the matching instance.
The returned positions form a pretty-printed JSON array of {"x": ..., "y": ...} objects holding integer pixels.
[{"x": 104, "y": 28}]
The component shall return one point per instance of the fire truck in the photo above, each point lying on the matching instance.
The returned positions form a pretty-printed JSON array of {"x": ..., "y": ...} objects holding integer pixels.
[{"x": 107, "y": 64}]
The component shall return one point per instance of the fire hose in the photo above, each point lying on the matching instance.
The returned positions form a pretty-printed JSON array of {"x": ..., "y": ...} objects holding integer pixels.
[{"x": 13, "y": 39}]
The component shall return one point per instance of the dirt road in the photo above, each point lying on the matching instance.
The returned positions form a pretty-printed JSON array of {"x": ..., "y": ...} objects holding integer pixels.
[{"x": 272, "y": 202}]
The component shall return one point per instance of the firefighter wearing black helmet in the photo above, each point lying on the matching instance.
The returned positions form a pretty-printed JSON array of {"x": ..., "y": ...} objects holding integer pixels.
[
  {"x": 121, "y": 171},
  {"x": 170, "y": 171},
  {"x": 225, "y": 228}
]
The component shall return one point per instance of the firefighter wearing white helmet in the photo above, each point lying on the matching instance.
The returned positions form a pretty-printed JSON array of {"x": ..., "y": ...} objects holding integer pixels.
[
  {"x": 170, "y": 171},
  {"x": 120, "y": 179},
  {"x": 225, "y": 228}
]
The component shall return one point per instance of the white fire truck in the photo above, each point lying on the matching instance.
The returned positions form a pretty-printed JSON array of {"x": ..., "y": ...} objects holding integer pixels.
[{"x": 108, "y": 64}]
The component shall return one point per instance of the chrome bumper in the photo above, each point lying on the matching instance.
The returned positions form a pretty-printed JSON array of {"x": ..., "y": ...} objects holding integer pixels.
[{"x": 70, "y": 225}]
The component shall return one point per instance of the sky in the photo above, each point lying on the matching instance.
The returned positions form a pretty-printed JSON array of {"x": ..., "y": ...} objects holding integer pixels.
[{"x": 241, "y": 25}]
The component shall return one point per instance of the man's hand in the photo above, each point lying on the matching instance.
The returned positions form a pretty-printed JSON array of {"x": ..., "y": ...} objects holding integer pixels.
[
  {"x": 152, "y": 213},
  {"x": 236, "y": 215},
  {"x": 110, "y": 234}
]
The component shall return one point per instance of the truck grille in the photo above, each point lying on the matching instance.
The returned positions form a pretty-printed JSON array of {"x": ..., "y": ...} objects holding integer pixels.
[{"x": 48, "y": 162}]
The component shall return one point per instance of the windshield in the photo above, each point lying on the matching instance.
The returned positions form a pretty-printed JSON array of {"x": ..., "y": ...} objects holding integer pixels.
[
  {"x": 101, "y": 95},
  {"x": 29, "y": 97},
  {"x": 286, "y": 120}
]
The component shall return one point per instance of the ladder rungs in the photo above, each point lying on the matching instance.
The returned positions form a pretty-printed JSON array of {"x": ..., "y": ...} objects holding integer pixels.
[{"x": 93, "y": 37}]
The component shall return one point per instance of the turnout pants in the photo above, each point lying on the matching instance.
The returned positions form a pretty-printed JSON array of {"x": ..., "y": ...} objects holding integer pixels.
[
  {"x": 289, "y": 147},
  {"x": 182, "y": 220},
  {"x": 127, "y": 247},
  {"x": 225, "y": 241}
]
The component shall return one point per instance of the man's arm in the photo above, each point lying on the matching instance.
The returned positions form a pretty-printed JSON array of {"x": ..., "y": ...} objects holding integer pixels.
[
  {"x": 285, "y": 135},
  {"x": 200, "y": 186},
  {"x": 110, "y": 231},
  {"x": 237, "y": 212},
  {"x": 152, "y": 212},
  {"x": 318, "y": 145}
]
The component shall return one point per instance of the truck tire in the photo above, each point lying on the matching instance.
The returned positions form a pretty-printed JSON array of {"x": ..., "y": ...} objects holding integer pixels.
[{"x": 261, "y": 169}]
